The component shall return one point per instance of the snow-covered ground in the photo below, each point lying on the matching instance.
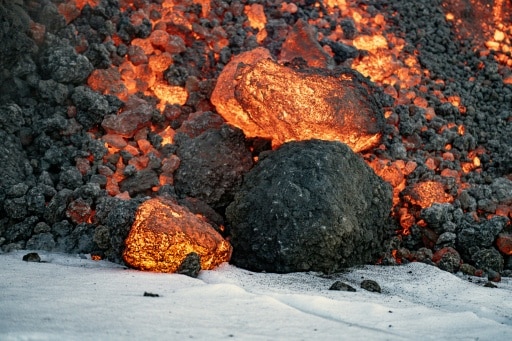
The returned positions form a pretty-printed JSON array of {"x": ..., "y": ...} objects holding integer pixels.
[{"x": 67, "y": 297}]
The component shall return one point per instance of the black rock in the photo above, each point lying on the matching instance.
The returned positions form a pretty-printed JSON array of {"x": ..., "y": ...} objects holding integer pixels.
[
  {"x": 212, "y": 165},
  {"x": 64, "y": 65},
  {"x": 11, "y": 118},
  {"x": 117, "y": 217},
  {"x": 340, "y": 286},
  {"x": 150, "y": 294},
  {"x": 450, "y": 262},
  {"x": 190, "y": 266},
  {"x": 436, "y": 215},
  {"x": 473, "y": 236},
  {"x": 41, "y": 241},
  {"x": 15, "y": 164},
  {"x": 371, "y": 285},
  {"x": 140, "y": 182},
  {"x": 32, "y": 257},
  {"x": 309, "y": 206},
  {"x": 91, "y": 106}
]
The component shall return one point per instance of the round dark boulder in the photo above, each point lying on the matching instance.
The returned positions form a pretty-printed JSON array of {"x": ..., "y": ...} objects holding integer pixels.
[{"x": 309, "y": 206}]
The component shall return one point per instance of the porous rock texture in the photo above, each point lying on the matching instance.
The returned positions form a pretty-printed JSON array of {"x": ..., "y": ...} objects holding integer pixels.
[
  {"x": 309, "y": 206},
  {"x": 212, "y": 165}
]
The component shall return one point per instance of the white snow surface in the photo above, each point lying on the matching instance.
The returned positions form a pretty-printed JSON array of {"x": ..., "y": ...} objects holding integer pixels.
[{"x": 71, "y": 297}]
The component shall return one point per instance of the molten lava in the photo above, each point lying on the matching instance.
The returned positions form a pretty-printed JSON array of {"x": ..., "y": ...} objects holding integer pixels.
[
  {"x": 277, "y": 101},
  {"x": 164, "y": 233},
  {"x": 283, "y": 103}
]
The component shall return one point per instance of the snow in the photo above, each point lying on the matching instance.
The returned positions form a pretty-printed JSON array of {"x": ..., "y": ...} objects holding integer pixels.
[{"x": 71, "y": 297}]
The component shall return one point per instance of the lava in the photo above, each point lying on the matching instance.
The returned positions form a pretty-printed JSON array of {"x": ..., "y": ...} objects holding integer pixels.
[
  {"x": 164, "y": 233},
  {"x": 283, "y": 98}
]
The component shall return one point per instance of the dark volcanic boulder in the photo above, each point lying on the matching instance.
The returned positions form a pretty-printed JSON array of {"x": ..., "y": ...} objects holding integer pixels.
[
  {"x": 309, "y": 206},
  {"x": 212, "y": 165}
]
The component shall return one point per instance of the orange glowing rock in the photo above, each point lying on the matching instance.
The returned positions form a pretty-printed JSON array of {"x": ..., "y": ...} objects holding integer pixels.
[
  {"x": 114, "y": 140},
  {"x": 169, "y": 94},
  {"x": 256, "y": 16},
  {"x": 424, "y": 194},
  {"x": 164, "y": 233},
  {"x": 282, "y": 103},
  {"x": 223, "y": 96},
  {"x": 302, "y": 42},
  {"x": 370, "y": 43},
  {"x": 159, "y": 38}
]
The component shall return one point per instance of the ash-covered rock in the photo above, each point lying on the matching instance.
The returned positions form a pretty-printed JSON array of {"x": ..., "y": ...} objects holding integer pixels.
[{"x": 310, "y": 205}]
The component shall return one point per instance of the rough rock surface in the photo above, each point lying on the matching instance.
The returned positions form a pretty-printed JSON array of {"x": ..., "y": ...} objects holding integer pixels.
[
  {"x": 321, "y": 104},
  {"x": 212, "y": 165},
  {"x": 164, "y": 234},
  {"x": 309, "y": 206}
]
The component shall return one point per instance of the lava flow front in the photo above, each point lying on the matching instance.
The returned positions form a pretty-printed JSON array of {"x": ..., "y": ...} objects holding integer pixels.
[
  {"x": 283, "y": 103},
  {"x": 163, "y": 107}
]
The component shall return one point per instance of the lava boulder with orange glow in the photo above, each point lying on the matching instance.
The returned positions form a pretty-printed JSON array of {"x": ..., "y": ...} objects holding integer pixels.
[
  {"x": 309, "y": 206},
  {"x": 165, "y": 233},
  {"x": 297, "y": 102}
]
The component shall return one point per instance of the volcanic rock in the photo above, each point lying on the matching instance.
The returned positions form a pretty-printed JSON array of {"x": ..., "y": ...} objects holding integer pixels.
[
  {"x": 191, "y": 265},
  {"x": 473, "y": 236},
  {"x": 164, "y": 234},
  {"x": 371, "y": 285},
  {"x": 341, "y": 286},
  {"x": 504, "y": 243},
  {"x": 308, "y": 206},
  {"x": 488, "y": 259},
  {"x": 15, "y": 164},
  {"x": 447, "y": 259},
  {"x": 32, "y": 257},
  {"x": 64, "y": 65},
  {"x": 115, "y": 218},
  {"x": 302, "y": 42},
  {"x": 212, "y": 165},
  {"x": 91, "y": 106},
  {"x": 281, "y": 103},
  {"x": 137, "y": 114}
]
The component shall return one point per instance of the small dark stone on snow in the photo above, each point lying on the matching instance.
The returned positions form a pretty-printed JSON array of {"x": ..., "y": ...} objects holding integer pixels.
[
  {"x": 371, "y": 285},
  {"x": 32, "y": 257},
  {"x": 340, "y": 286},
  {"x": 190, "y": 266},
  {"x": 468, "y": 269},
  {"x": 490, "y": 285},
  {"x": 493, "y": 276},
  {"x": 150, "y": 294}
]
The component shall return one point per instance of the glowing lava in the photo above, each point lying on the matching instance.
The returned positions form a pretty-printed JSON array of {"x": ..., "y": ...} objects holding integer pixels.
[
  {"x": 164, "y": 233},
  {"x": 283, "y": 103}
]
